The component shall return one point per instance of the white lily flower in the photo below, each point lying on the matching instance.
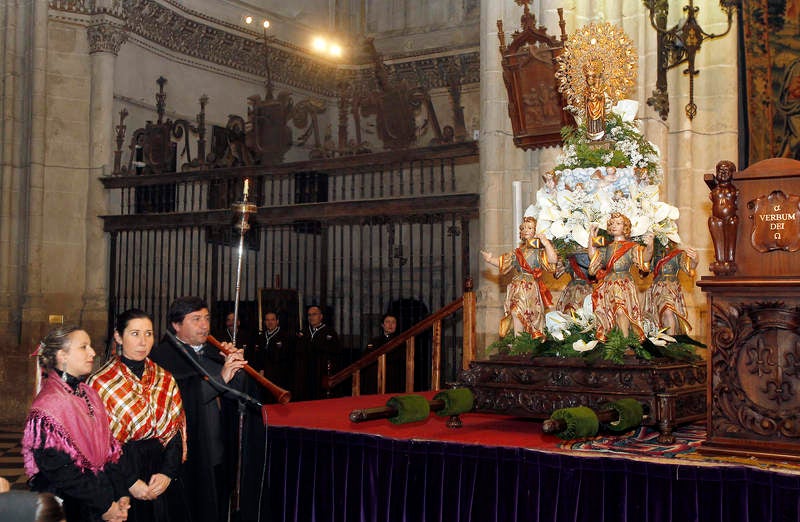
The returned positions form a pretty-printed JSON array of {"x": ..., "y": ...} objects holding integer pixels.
[
  {"x": 603, "y": 199},
  {"x": 581, "y": 346},
  {"x": 626, "y": 109},
  {"x": 664, "y": 211},
  {"x": 584, "y": 316},
  {"x": 557, "y": 324},
  {"x": 640, "y": 225},
  {"x": 661, "y": 339},
  {"x": 649, "y": 192},
  {"x": 581, "y": 236},
  {"x": 551, "y": 213},
  {"x": 559, "y": 229}
]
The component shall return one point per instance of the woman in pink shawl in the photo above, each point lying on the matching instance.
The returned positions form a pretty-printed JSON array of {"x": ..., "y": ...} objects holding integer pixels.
[{"x": 67, "y": 446}]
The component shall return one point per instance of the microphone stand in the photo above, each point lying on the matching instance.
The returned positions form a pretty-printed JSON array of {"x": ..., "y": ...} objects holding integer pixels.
[{"x": 242, "y": 398}]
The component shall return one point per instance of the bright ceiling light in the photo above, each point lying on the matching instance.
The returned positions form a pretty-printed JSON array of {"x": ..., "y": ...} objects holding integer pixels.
[{"x": 319, "y": 44}]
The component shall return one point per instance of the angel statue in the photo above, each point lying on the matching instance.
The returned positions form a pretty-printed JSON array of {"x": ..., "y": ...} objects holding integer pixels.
[
  {"x": 579, "y": 285},
  {"x": 664, "y": 301},
  {"x": 527, "y": 297},
  {"x": 616, "y": 303}
]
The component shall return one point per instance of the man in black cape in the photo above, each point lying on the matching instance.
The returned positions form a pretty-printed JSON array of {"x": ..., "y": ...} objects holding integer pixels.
[
  {"x": 207, "y": 470},
  {"x": 277, "y": 351},
  {"x": 319, "y": 354}
]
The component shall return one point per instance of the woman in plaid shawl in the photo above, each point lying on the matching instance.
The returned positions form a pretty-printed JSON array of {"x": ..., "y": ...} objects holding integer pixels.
[{"x": 147, "y": 418}]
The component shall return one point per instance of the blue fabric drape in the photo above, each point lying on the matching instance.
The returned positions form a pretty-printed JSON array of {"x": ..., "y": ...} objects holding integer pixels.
[{"x": 344, "y": 477}]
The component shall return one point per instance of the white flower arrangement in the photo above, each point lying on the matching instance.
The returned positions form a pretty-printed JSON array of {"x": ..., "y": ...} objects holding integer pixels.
[{"x": 580, "y": 195}]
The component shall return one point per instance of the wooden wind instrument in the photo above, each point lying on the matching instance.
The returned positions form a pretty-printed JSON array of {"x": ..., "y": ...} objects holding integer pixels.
[
  {"x": 281, "y": 395},
  {"x": 554, "y": 426},
  {"x": 387, "y": 412}
]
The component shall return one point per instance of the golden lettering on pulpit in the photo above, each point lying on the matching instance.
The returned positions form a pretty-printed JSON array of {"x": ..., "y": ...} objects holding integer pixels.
[{"x": 775, "y": 222}]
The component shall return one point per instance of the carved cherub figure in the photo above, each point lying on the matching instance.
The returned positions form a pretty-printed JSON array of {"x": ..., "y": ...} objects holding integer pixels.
[{"x": 724, "y": 221}]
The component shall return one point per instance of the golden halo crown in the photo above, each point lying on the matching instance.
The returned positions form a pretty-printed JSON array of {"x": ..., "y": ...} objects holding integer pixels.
[{"x": 602, "y": 49}]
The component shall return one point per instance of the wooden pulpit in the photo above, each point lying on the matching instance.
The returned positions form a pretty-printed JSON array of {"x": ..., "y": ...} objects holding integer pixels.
[
  {"x": 754, "y": 311},
  {"x": 535, "y": 105}
]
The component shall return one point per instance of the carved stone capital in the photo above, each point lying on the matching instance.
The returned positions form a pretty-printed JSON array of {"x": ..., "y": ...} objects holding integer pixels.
[{"x": 105, "y": 37}]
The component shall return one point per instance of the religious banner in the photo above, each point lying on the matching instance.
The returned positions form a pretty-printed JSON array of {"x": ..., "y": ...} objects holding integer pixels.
[{"x": 772, "y": 64}]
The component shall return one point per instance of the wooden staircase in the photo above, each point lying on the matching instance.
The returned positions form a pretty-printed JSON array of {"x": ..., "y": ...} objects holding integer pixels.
[{"x": 433, "y": 322}]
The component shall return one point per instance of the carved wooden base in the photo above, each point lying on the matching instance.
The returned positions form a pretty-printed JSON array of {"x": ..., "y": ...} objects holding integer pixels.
[
  {"x": 754, "y": 367},
  {"x": 672, "y": 393}
]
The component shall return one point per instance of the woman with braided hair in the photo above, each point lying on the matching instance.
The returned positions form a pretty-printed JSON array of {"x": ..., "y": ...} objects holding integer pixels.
[{"x": 67, "y": 446}]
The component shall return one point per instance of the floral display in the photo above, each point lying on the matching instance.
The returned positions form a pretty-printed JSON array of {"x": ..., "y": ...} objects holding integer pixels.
[
  {"x": 607, "y": 176},
  {"x": 594, "y": 180},
  {"x": 573, "y": 335}
]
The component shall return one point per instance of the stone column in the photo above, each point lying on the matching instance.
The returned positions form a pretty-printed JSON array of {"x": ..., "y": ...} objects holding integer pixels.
[
  {"x": 34, "y": 319},
  {"x": 12, "y": 140},
  {"x": 695, "y": 146},
  {"x": 105, "y": 36},
  {"x": 15, "y": 102},
  {"x": 501, "y": 162}
]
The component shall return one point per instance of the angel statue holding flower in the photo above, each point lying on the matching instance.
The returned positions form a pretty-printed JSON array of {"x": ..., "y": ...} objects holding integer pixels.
[{"x": 527, "y": 297}]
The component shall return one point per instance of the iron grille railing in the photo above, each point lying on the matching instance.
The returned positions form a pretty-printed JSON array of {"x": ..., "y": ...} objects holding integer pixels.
[{"x": 360, "y": 241}]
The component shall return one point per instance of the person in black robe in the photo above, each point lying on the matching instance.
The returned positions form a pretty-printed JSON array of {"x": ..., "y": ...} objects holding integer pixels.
[
  {"x": 277, "y": 351},
  {"x": 395, "y": 361},
  {"x": 245, "y": 338},
  {"x": 319, "y": 354},
  {"x": 206, "y": 478}
]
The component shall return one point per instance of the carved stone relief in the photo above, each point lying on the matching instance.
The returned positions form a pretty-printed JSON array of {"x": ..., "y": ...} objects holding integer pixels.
[
  {"x": 171, "y": 29},
  {"x": 105, "y": 37}
]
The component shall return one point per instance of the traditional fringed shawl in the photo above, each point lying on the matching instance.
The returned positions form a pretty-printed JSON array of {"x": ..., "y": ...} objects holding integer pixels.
[
  {"x": 74, "y": 422},
  {"x": 146, "y": 408}
]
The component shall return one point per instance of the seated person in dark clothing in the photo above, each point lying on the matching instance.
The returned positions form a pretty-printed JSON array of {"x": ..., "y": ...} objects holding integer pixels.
[
  {"x": 395, "y": 361},
  {"x": 277, "y": 351},
  {"x": 319, "y": 353}
]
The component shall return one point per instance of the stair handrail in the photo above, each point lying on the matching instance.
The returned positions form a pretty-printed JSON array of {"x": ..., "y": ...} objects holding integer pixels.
[{"x": 466, "y": 302}]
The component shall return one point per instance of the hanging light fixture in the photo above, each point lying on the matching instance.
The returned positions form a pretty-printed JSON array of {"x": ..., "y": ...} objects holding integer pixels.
[{"x": 679, "y": 45}]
